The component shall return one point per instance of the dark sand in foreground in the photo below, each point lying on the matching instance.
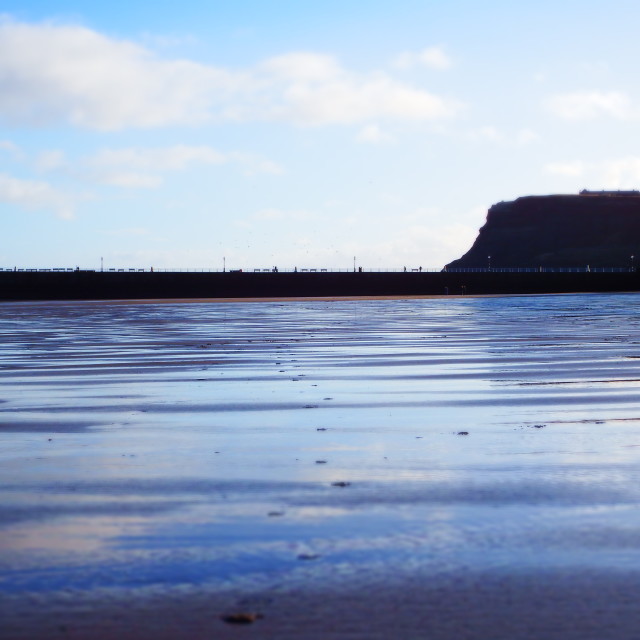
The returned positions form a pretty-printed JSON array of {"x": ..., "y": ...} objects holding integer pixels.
[{"x": 551, "y": 606}]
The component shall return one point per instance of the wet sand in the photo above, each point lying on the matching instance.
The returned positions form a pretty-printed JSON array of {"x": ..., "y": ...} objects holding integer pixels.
[{"x": 423, "y": 468}]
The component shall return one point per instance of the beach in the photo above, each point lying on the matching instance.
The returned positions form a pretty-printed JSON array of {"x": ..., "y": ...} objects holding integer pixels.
[{"x": 368, "y": 468}]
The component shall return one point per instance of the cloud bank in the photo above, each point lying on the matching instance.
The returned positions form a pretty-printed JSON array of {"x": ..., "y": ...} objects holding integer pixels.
[{"x": 54, "y": 74}]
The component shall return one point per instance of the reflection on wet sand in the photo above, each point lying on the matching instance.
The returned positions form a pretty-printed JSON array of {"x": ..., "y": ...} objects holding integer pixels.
[{"x": 174, "y": 460}]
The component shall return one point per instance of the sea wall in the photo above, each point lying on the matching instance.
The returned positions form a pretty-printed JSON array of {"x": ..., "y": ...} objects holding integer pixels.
[{"x": 95, "y": 285}]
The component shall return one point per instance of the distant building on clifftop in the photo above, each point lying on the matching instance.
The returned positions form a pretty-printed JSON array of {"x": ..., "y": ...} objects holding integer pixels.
[{"x": 631, "y": 192}]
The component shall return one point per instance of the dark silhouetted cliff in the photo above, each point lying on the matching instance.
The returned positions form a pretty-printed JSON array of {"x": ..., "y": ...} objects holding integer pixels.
[{"x": 600, "y": 229}]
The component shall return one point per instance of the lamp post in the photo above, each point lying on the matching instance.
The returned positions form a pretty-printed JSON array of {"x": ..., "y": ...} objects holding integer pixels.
[
  {"x": 632, "y": 257},
  {"x": 489, "y": 262}
]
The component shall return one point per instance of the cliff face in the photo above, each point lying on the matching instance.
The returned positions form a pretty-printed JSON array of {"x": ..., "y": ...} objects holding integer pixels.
[{"x": 600, "y": 229}]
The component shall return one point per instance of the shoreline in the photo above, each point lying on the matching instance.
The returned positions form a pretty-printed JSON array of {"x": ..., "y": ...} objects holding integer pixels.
[{"x": 258, "y": 299}]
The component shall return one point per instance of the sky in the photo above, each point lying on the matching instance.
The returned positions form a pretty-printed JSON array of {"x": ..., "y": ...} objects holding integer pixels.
[{"x": 253, "y": 134}]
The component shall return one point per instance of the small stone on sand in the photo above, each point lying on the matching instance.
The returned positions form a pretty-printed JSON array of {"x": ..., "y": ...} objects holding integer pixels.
[{"x": 241, "y": 618}]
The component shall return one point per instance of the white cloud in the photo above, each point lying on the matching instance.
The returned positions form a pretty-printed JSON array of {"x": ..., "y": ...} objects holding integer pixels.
[
  {"x": 161, "y": 258},
  {"x": 128, "y": 179},
  {"x": 431, "y": 57},
  {"x": 50, "y": 160},
  {"x": 526, "y": 136},
  {"x": 7, "y": 145},
  {"x": 158, "y": 159},
  {"x": 348, "y": 99},
  {"x": 11, "y": 150},
  {"x": 313, "y": 89},
  {"x": 128, "y": 232},
  {"x": 487, "y": 133},
  {"x": 490, "y": 133},
  {"x": 72, "y": 74},
  {"x": 143, "y": 167},
  {"x": 591, "y": 104},
  {"x": 414, "y": 246},
  {"x": 34, "y": 195},
  {"x": 372, "y": 133},
  {"x": 572, "y": 169},
  {"x": 272, "y": 215},
  {"x": 623, "y": 173},
  {"x": 302, "y": 67},
  {"x": 52, "y": 74},
  {"x": 165, "y": 41},
  {"x": 617, "y": 173},
  {"x": 435, "y": 58},
  {"x": 253, "y": 164},
  {"x": 416, "y": 238}
]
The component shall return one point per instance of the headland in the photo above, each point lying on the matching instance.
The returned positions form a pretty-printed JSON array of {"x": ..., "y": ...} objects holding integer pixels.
[{"x": 595, "y": 228}]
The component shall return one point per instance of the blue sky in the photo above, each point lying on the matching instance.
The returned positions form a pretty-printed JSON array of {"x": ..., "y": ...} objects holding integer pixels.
[{"x": 297, "y": 133}]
